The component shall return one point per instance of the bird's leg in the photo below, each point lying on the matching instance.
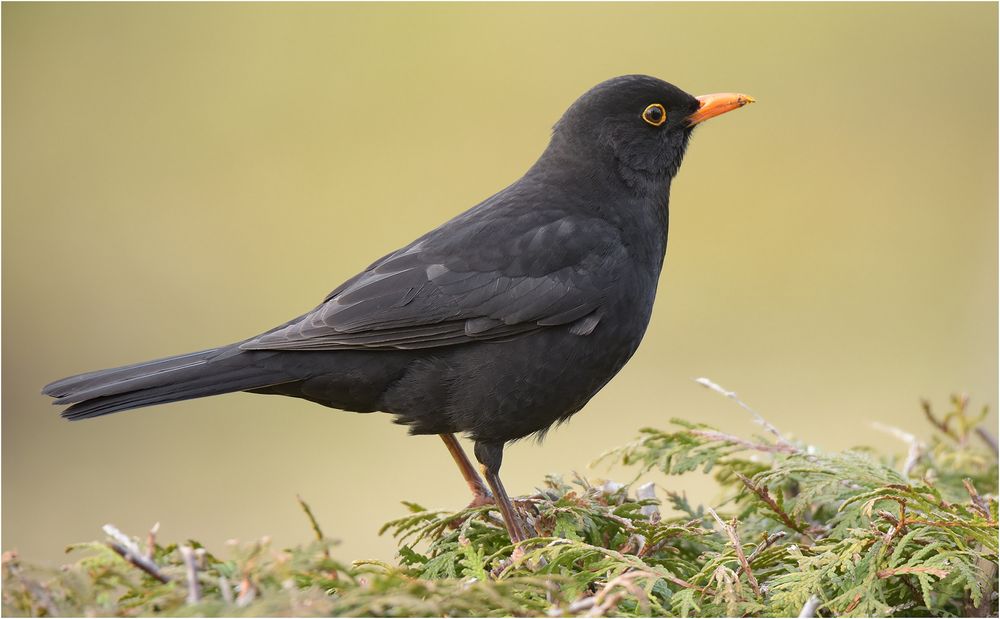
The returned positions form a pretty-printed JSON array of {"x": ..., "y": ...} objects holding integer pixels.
[
  {"x": 490, "y": 455},
  {"x": 480, "y": 492}
]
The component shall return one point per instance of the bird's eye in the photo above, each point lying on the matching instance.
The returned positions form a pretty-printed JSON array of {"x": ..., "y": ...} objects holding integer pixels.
[{"x": 654, "y": 114}]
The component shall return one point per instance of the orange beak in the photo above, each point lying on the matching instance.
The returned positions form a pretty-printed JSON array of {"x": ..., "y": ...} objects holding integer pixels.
[{"x": 719, "y": 103}]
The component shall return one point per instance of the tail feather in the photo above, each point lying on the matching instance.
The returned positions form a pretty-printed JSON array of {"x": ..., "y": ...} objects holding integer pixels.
[
  {"x": 184, "y": 377},
  {"x": 68, "y": 387}
]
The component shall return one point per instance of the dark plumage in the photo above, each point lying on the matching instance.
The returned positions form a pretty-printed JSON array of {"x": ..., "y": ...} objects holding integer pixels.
[{"x": 496, "y": 324}]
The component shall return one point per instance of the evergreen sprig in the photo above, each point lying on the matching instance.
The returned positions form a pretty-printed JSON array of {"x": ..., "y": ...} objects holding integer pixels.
[{"x": 799, "y": 531}]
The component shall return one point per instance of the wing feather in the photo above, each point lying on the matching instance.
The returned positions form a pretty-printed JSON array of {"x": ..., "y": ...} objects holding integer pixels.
[{"x": 435, "y": 293}]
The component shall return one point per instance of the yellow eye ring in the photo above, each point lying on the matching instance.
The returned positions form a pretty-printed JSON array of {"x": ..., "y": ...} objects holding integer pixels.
[{"x": 654, "y": 114}]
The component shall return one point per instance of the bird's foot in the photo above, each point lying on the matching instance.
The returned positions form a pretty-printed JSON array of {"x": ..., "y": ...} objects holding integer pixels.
[{"x": 479, "y": 499}]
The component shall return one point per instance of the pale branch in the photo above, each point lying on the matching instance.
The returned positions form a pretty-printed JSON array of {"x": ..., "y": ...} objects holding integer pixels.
[
  {"x": 810, "y": 607},
  {"x": 113, "y": 532},
  {"x": 124, "y": 546},
  {"x": 767, "y": 425},
  {"x": 577, "y": 606},
  {"x": 226, "y": 590},
  {"x": 915, "y": 450},
  {"x": 139, "y": 561},
  {"x": 194, "y": 587}
]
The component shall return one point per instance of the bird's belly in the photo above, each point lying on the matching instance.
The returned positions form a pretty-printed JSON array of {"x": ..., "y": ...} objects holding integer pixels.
[{"x": 501, "y": 391}]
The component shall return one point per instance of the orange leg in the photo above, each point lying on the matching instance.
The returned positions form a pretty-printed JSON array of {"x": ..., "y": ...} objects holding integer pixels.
[{"x": 480, "y": 492}]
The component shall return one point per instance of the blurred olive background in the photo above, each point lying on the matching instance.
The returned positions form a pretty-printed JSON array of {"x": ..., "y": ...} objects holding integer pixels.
[{"x": 178, "y": 176}]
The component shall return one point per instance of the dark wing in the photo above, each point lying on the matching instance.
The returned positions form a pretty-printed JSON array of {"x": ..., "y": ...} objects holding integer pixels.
[{"x": 481, "y": 276}]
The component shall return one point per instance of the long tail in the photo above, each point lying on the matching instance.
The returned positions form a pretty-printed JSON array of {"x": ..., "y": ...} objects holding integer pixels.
[{"x": 184, "y": 377}]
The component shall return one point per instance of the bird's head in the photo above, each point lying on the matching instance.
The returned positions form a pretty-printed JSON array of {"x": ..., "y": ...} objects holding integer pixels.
[{"x": 639, "y": 125}]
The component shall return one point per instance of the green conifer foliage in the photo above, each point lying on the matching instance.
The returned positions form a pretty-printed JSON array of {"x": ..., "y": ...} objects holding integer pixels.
[{"x": 798, "y": 532}]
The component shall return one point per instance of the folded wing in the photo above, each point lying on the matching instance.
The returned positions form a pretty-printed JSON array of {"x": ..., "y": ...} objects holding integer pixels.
[{"x": 434, "y": 293}]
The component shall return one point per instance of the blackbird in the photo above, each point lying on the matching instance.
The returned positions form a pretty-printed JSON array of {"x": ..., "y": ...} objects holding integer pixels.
[{"x": 497, "y": 324}]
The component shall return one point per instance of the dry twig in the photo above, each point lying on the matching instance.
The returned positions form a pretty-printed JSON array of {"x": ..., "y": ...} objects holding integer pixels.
[
  {"x": 734, "y": 538},
  {"x": 978, "y": 503},
  {"x": 761, "y": 547},
  {"x": 767, "y": 425}
]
